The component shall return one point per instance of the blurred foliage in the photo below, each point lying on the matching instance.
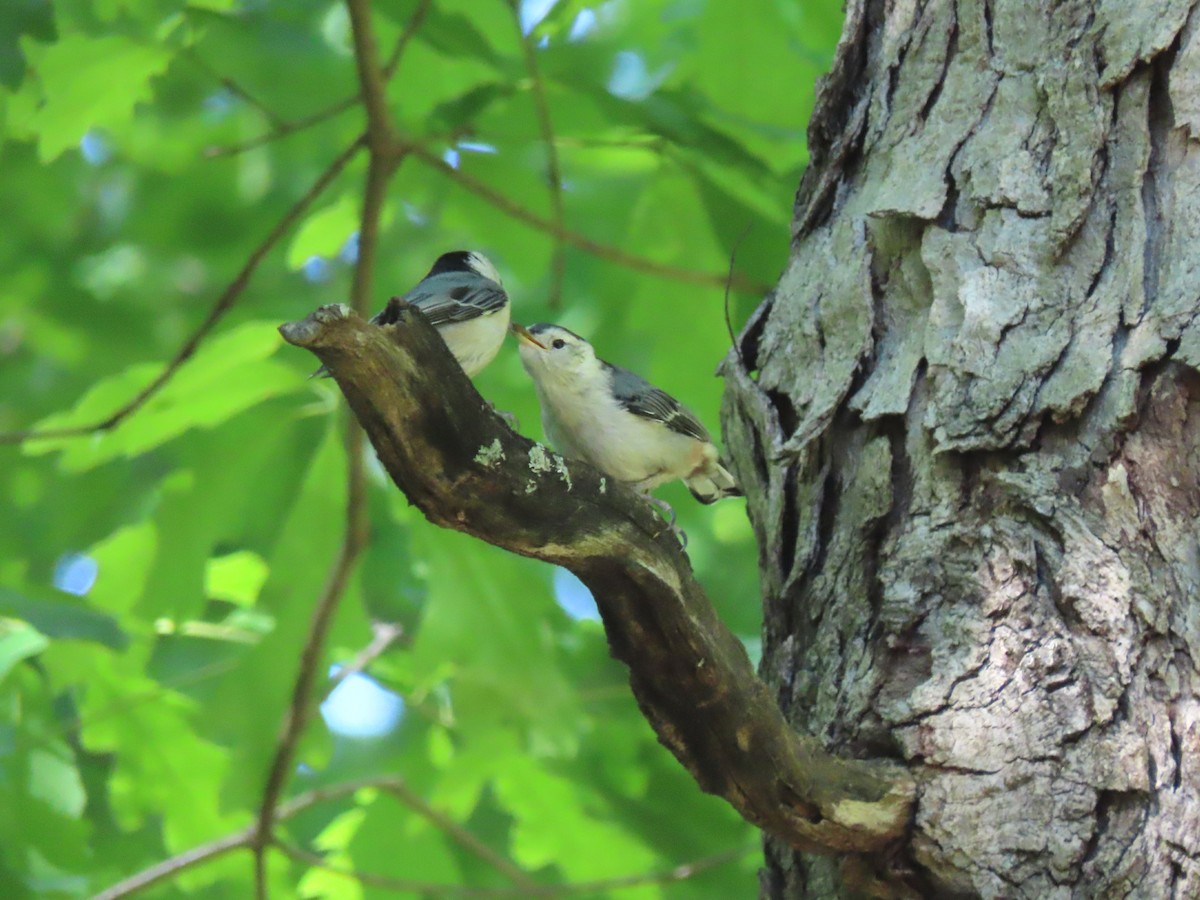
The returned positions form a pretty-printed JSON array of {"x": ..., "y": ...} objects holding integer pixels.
[{"x": 156, "y": 580}]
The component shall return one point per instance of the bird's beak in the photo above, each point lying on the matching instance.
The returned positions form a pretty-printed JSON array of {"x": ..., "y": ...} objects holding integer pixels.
[{"x": 525, "y": 337}]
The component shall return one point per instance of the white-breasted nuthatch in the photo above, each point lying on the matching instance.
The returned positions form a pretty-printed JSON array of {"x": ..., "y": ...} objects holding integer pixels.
[
  {"x": 463, "y": 298},
  {"x": 616, "y": 420}
]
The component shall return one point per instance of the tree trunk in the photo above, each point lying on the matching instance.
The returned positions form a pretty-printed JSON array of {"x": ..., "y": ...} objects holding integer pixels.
[{"x": 968, "y": 425}]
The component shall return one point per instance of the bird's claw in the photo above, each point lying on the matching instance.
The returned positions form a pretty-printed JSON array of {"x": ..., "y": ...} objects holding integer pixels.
[{"x": 665, "y": 508}]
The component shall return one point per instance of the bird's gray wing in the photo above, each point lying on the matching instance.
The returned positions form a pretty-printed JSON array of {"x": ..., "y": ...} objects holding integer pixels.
[
  {"x": 643, "y": 399},
  {"x": 452, "y": 297}
]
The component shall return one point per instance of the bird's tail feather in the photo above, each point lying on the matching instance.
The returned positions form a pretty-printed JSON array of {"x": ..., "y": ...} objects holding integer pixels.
[
  {"x": 320, "y": 373},
  {"x": 713, "y": 483}
]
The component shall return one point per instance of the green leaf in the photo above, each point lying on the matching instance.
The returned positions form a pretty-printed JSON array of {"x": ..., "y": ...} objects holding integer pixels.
[
  {"x": 144, "y": 715},
  {"x": 18, "y": 641},
  {"x": 123, "y": 561},
  {"x": 421, "y": 852},
  {"x": 451, "y": 115},
  {"x": 230, "y": 373},
  {"x": 556, "y": 826},
  {"x": 133, "y": 717},
  {"x": 513, "y": 674},
  {"x": 325, "y": 231},
  {"x": 63, "y": 619},
  {"x": 32, "y": 17},
  {"x": 55, "y": 781},
  {"x": 236, "y": 577},
  {"x": 455, "y": 35},
  {"x": 92, "y": 82}
]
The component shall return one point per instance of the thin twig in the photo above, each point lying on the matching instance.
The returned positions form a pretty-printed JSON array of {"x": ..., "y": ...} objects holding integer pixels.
[
  {"x": 244, "y": 837},
  {"x": 169, "y": 868},
  {"x": 379, "y": 172},
  {"x": 236, "y": 89},
  {"x": 460, "y": 835},
  {"x": 386, "y": 882},
  {"x": 410, "y": 31},
  {"x": 372, "y": 879},
  {"x": 386, "y": 634},
  {"x": 737, "y": 347},
  {"x": 381, "y": 165},
  {"x": 553, "y": 170},
  {"x": 370, "y": 77},
  {"x": 637, "y": 263},
  {"x": 284, "y": 127},
  {"x": 298, "y": 710},
  {"x": 322, "y": 794},
  {"x": 223, "y": 305}
]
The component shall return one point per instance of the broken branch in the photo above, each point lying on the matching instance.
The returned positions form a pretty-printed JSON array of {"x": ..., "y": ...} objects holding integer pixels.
[{"x": 458, "y": 462}]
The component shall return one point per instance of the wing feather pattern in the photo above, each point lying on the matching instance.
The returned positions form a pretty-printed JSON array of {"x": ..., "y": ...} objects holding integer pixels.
[
  {"x": 643, "y": 399},
  {"x": 452, "y": 297}
]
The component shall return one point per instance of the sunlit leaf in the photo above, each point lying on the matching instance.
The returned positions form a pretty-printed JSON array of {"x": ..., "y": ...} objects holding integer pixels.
[
  {"x": 91, "y": 82},
  {"x": 236, "y": 577},
  {"x": 230, "y": 373},
  {"x": 149, "y": 147},
  {"x": 18, "y": 641},
  {"x": 55, "y": 781},
  {"x": 123, "y": 561},
  {"x": 325, "y": 231},
  {"x": 554, "y": 827}
]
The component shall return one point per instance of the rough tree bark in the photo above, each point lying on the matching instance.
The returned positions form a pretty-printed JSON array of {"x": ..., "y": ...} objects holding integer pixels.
[{"x": 968, "y": 420}]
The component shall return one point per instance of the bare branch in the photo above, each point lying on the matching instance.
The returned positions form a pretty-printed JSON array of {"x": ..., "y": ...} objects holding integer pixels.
[
  {"x": 380, "y": 133},
  {"x": 371, "y": 879},
  {"x": 299, "y": 710},
  {"x": 318, "y": 795},
  {"x": 169, "y": 868},
  {"x": 225, "y": 302},
  {"x": 386, "y": 634},
  {"x": 637, "y": 263},
  {"x": 668, "y": 876},
  {"x": 235, "y": 88},
  {"x": 189, "y": 859},
  {"x": 382, "y": 163},
  {"x": 464, "y": 469},
  {"x": 410, "y": 31},
  {"x": 282, "y": 128},
  {"x": 553, "y": 170},
  {"x": 379, "y": 173}
]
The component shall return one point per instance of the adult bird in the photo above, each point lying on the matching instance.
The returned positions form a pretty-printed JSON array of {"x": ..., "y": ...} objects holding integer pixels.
[
  {"x": 464, "y": 299},
  {"x": 616, "y": 420}
]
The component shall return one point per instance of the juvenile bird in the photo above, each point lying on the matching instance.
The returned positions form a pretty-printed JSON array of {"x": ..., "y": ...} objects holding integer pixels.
[
  {"x": 464, "y": 300},
  {"x": 616, "y": 420}
]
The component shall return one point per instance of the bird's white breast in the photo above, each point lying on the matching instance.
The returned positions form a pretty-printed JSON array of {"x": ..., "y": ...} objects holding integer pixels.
[
  {"x": 583, "y": 419},
  {"x": 476, "y": 342}
]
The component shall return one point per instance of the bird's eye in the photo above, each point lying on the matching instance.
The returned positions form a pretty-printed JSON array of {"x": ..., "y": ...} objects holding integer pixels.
[{"x": 558, "y": 344}]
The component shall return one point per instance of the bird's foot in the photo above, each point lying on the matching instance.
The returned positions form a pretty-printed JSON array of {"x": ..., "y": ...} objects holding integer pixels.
[{"x": 665, "y": 508}]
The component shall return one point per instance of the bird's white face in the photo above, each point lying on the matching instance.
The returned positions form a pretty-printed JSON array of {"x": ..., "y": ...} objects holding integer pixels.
[
  {"x": 483, "y": 266},
  {"x": 552, "y": 353}
]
